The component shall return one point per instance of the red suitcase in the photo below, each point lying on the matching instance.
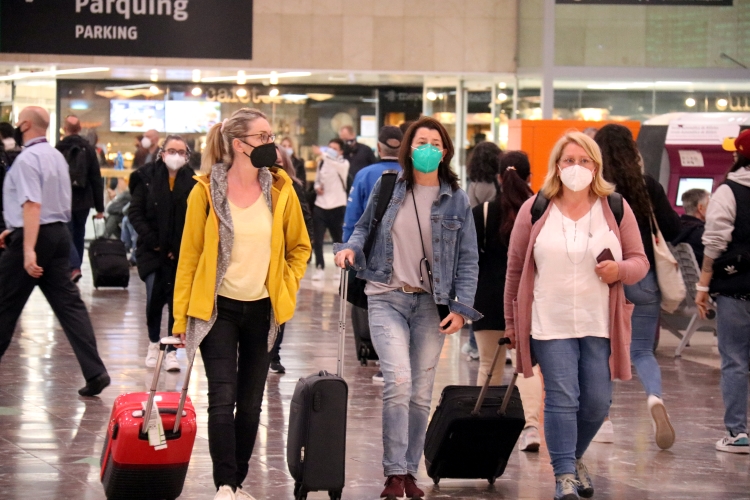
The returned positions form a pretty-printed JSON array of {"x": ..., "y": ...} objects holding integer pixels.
[{"x": 130, "y": 467}]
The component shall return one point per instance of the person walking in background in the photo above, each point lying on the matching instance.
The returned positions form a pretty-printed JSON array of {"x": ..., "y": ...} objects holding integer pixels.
[
  {"x": 9, "y": 150},
  {"x": 358, "y": 155},
  {"x": 649, "y": 203},
  {"x": 37, "y": 206},
  {"x": 494, "y": 222},
  {"x": 287, "y": 145},
  {"x": 482, "y": 170},
  {"x": 286, "y": 164},
  {"x": 160, "y": 193},
  {"x": 330, "y": 201},
  {"x": 427, "y": 231},
  {"x": 139, "y": 157},
  {"x": 87, "y": 184},
  {"x": 567, "y": 309},
  {"x": 727, "y": 245},
  {"x": 389, "y": 142},
  {"x": 695, "y": 204},
  {"x": 244, "y": 251}
]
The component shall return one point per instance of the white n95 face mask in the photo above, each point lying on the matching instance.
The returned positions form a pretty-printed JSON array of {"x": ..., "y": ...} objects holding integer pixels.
[
  {"x": 576, "y": 178},
  {"x": 174, "y": 162},
  {"x": 9, "y": 143},
  {"x": 146, "y": 143}
]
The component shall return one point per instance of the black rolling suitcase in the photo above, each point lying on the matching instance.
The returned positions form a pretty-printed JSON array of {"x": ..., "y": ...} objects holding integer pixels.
[
  {"x": 474, "y": 430},
  {"x": 362, "y": 341},
  {"x": 316, "y": 446},
  {"x": 109, "y": 261}
]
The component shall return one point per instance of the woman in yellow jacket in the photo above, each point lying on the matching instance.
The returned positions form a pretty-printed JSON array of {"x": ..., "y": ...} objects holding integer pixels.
[{"x": 244, "y": 250}]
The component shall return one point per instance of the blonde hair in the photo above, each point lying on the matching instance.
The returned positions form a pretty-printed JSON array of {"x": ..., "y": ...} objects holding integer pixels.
[
  {"x": 219, "y": 139},
  {"x": 552, "y": 183}
]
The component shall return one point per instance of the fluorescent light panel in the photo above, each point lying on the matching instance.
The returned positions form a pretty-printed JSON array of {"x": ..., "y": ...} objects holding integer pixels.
[
  {"x": 289, "y": 74},
  {"x": 56, "y": 72}
]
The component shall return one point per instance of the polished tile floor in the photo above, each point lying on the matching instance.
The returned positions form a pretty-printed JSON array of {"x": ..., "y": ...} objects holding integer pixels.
[{"x": 50, "y": 438}]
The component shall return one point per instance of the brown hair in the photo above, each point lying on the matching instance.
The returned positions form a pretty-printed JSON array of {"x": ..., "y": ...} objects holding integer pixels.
[
  {"x": 219, "y": 139},
  {"x": 445, "y": 173},
  {"x": 286, "y": 164}
]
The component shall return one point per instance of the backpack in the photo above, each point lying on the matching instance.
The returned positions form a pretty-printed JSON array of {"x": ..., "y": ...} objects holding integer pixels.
[
  {"x": 541, "y": 203},
  {"x": 78, "y": 165}
]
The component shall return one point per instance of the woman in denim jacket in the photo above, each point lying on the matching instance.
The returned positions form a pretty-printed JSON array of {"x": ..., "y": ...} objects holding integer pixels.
[{"x": 424, "y": 253}]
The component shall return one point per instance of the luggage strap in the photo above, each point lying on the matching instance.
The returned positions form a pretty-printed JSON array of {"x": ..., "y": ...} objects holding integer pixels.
[
  {"x": 343, "y": 292},
  {"x": 164, "y": 342},
  {"x": 483, "y": 393}
]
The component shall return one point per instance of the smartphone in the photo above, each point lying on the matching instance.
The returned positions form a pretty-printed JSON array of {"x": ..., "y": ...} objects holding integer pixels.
[
  {"x": 605, "y": 255},
  {"x": 443, "y": 312}
]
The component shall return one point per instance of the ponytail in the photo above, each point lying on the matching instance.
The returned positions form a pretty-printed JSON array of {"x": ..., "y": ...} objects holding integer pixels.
[
  {"x": 214, "y": 152},
  {"x": 515, "y": 171}
]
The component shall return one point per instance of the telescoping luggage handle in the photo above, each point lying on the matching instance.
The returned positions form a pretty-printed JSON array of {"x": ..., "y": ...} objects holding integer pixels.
[
  {"x": 508, "y": 393},
  {"x": 343, "y": 292},
  {"x": 163, "y": 344}
]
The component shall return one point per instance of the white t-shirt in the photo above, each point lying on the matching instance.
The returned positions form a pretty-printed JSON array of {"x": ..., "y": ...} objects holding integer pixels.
[
  {"x": 331, "y": 176},
  {"x": 569, "y": 299}
]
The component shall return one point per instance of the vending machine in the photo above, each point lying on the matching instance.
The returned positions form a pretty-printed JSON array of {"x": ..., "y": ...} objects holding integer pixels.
[{"x": 684, "y": 150}]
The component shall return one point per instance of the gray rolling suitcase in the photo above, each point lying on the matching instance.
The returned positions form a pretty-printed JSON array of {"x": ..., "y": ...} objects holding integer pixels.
[{"x": 316, "y": 446}]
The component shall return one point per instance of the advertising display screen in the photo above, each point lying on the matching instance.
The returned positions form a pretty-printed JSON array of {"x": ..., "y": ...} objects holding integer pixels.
[
  {"x": 187, "y": 117},
  {"x": 688, "y": 183},
  {"x": 136, "y": 115}
]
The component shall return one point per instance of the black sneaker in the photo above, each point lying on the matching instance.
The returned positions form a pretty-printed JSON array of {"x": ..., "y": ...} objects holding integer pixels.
[
  {"x": 95, "y": 385},
  {"x": 276, "y": 367}
]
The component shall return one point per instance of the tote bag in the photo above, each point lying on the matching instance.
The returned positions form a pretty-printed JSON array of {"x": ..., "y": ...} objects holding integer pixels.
[{"x": 668, "y": 273}]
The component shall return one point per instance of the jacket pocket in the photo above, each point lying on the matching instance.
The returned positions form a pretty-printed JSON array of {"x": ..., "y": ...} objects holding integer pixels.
[
  {"x": 450, "y": 229},
  {"x": 627, "y": 322}
]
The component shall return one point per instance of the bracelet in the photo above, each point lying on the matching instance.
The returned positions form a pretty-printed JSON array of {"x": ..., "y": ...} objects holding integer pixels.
[{"x": 701, "y": 288}]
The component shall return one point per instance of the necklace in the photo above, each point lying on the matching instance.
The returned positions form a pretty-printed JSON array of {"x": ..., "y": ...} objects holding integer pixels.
[{"x": 575, "y": 235}]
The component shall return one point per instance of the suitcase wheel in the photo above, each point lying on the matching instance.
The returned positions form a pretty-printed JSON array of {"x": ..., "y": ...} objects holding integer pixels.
[
  {"x": 364, "y": 353},
  {"x": 436, "y": 479},
  {"x": 299, "y": 494},
  {"x": 335, "y": 495},
  {"x": 491, "y": 480}
]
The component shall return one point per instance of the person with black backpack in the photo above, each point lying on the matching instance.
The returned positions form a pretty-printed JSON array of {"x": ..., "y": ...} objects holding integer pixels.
[
  {"x": 88, "y": 188},
  {"x": 8, "y": 152}
]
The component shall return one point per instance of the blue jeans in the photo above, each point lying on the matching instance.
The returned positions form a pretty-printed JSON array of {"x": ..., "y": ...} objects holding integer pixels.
[
  {"x": 733, "y": 331},
  {"x": 405, "y": 332},
  {"x": 578, "y": 391},
  {"x": 129, "y": 237},
  {"x": 645, "y": 321}
]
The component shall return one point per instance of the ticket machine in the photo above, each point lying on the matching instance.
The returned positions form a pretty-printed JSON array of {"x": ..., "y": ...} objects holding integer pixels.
[{"x": 683, "y": 150}]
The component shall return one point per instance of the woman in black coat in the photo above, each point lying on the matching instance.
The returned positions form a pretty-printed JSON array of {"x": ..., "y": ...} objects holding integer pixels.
[
  {"x": 157, "y": 212},
  {"x": 493, "y": 236}
]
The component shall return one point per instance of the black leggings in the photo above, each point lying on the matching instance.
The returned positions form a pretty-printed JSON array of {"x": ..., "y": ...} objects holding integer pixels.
[
  {"x": 323, "y": 219},
  {"x": 235, "y": 381}
]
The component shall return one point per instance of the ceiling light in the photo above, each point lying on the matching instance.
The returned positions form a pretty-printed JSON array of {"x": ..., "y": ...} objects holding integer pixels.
[
  {"x": 241, "y": 92},
  {"x": 38, "y": 74},
  {"x": 294, "y": 97},
  {"x": 196, "y": 91},
  {"x": 265, "y": 76},
  {"x": 431, "y": 96},
  {"x": 722, "y": 102},
  {"x": 154, "y": 89},
  {"x": 154, "y": 75},
  {"x": 241, "y": 79},
  {"x": 274, "y": 80},
  {"x": 502, "y": 85},
  {"x": 689, "y": 102},
  {"x": 502, "y": 97},
  {"x": 196, "y": 75},
  {"x": 274, "y": 92}
]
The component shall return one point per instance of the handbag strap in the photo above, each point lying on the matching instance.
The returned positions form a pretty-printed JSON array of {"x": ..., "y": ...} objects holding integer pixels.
[
  {"x": 485, "y": 209},
  {"x": 387, "y": 186}
]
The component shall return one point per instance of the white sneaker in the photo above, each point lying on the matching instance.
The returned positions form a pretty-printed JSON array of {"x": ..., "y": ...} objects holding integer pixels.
[
  {"x": 170, "y": 362},
  {"x": 529, "y": 440},
  {"x": 152, "y": 354},
  {"x": 240, "y": 494},
  {"x": 606, "y": 433},
  {"x": 663, "y": 430},
  {"x": 734, "y": 444},
  {"x": 225, "y": 493},
  {"x": 319, "y": 275}
]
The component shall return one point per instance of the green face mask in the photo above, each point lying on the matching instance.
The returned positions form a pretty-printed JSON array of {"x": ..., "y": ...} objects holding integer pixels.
[{"x": 426, "y": 158}]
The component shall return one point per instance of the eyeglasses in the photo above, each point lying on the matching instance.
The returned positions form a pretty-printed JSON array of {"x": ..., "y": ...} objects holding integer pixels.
[
  {"x": 584, "y": 162},
  {"x": 180, "y": 152},
  {"x": 265, "y": 137}
]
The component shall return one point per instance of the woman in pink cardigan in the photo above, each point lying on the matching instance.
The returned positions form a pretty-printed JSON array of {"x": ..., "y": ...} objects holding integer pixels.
[{"x": 565, "y": 307}]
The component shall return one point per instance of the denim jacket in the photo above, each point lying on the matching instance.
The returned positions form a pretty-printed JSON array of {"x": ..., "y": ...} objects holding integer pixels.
[{"x": 454, "y": 248}]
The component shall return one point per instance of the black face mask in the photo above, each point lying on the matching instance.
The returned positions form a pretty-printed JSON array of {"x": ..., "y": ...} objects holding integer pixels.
[
  {"x": 18, "y": 136},
  {"x": 262, "y": 156}
]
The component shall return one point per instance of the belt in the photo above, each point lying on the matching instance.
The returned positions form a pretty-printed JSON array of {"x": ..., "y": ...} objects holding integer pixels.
[{"x": 412, "y": 289}]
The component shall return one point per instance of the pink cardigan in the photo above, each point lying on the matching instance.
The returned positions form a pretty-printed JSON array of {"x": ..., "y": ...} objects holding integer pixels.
[{"x": 519, "y": 286}]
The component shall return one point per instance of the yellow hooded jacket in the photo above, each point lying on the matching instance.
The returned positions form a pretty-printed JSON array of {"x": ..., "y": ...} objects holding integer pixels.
[{"x": 195, "y": 283}]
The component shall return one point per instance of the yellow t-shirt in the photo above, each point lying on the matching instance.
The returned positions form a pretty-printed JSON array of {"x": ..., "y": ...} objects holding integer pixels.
[
  {"x": 251, "y": 252},
  {"x": 171, "y": 183}
]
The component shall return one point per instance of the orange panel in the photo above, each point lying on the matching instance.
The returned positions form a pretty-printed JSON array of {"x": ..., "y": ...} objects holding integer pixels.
[{"x": 538, "y": 137}]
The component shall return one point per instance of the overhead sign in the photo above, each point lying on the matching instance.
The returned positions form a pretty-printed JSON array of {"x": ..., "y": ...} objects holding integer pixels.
[
  {"x": 695, "y": 3},
  {"x": 146, "y": 28}
]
